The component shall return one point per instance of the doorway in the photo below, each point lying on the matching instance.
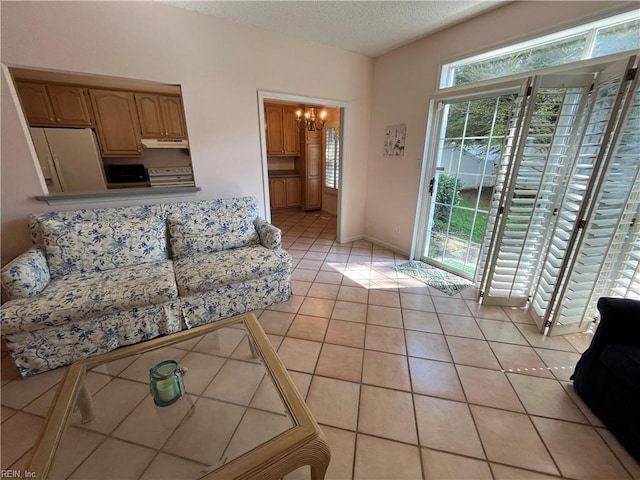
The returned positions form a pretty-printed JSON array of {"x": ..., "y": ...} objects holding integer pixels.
[{"x": 324, "y": 181}]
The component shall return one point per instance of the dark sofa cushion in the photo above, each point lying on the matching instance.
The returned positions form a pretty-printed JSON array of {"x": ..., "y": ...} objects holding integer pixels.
[{"x": 623, "y": 361}]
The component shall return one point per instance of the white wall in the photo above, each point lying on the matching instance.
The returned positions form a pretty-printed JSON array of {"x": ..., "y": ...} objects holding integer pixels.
[
  {"x": 404, "y": 80},
  {"x": 220, "y": 66}
]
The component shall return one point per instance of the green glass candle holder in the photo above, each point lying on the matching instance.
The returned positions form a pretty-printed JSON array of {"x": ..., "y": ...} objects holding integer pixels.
[{"x": 165, "y": 379}]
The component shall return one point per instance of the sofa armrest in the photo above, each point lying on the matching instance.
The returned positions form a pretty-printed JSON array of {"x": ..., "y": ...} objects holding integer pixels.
[
  {"x": 270, "y": 236},
  {"x": 26, "y": 275},
  {"x": 619, "y": 322}
]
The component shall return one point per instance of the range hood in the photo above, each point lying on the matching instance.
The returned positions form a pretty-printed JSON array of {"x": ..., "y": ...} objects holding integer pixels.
[{"x": 164, "y": 143}]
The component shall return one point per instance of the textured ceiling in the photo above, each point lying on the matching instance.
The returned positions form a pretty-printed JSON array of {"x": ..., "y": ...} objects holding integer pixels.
[{"x": 367, "y": 27}]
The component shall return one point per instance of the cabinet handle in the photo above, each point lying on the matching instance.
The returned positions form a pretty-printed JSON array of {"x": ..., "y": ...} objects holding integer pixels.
[{"x": 58, "y": 119}]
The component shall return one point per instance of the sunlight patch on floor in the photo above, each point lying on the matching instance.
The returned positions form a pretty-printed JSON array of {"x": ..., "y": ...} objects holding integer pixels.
[{"x": 376, "y": 275}]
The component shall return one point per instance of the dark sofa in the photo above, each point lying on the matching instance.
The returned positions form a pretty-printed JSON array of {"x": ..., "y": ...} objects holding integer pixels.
[{"x": 607, "y": 376}]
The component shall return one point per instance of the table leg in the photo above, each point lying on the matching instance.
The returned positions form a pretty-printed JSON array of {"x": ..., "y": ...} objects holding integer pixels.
[
  {"x": 320, "y": 457},
  {"x": 85, "y": 403},
  {"x": 318, "y": 471}
]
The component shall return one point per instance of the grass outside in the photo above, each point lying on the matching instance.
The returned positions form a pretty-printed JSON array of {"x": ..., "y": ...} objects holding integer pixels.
[
  {"x": 470, "y": 269},
  {"x": 462, "y": 216}
]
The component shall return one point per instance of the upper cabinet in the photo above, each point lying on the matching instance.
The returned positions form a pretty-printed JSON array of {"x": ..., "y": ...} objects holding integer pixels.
[
  {"x": 121, "y": 112},
  {"x": 54, "y": 105},
  {"x": 161, "y": 116},
  {"x": 117, "y": 122},
  {"x": 282, "y": 130}
]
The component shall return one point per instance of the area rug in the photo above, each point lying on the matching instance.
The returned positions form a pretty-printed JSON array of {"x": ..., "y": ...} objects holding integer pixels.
[{"x": 434, "y": 277}]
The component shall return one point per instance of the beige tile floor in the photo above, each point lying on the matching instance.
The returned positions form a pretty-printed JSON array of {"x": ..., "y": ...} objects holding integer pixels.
[{"x": 406, "y": 382}]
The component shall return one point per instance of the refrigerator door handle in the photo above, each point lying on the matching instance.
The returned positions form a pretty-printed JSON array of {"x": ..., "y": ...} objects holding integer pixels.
[{"x": 58, "y": 173}]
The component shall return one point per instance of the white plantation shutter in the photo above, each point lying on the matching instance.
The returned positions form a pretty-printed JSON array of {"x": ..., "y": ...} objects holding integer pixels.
[
  {"x": 606, "y": 262},
  {"x": 332, "y": 158},
  {"x": 534, "y": 187},
  {"x": 503, "y": 175},
  {"x": 567, "y": 230},
  {"x": 603, "y": 107}
]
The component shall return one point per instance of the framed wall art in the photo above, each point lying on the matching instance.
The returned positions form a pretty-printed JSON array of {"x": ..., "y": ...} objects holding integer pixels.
[{"x": 394, "y": 139}]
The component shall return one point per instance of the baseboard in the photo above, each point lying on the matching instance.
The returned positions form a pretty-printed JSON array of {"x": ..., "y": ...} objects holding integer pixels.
[
  {"x": 378, "y": 242},
  {"x": 386, "y": 245}
]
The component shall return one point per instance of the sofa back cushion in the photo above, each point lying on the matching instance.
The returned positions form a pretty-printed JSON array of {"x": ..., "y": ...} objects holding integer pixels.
[
  {"x": 211, "y": 225},
  {"x": 86, "y": 246},
  {"x": 209, "y": 232},
  {"x": 108, "y": 214}
]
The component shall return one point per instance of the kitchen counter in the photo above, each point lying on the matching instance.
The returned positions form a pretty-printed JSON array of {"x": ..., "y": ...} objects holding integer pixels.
[{"x": 116, "y": 195}]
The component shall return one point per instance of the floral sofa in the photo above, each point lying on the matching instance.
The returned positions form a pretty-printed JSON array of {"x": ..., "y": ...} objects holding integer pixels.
[{"x": 99, "y": 279}]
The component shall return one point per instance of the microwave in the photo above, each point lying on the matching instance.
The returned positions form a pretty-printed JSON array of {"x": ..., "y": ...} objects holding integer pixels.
[{"x": 128, "y": 173}]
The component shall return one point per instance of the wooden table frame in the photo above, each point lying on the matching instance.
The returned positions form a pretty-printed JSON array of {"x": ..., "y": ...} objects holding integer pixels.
[{"x": 303, "y": 444}]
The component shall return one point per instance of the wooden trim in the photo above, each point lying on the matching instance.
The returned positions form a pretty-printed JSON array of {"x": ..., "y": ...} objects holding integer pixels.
[{"x": 92, "y": 81}]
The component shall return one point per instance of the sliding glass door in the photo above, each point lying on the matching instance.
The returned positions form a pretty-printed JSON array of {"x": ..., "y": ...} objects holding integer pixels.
[
  {"x": 470, "y": 145},
  {"x": 536, "y": 195}
]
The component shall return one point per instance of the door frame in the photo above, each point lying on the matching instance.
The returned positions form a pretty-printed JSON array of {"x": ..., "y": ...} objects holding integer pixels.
[{"x": 265, "y": 95}]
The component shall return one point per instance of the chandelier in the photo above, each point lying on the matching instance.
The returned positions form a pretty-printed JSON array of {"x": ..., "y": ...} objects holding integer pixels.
[{"x": 309, "y": 120}]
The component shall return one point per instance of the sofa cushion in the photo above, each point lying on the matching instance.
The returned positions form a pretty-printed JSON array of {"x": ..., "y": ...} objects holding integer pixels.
[
  {"x": 203, "y": 272},
  {"x": 210, "y": 232},
  {"x": 79, "y": 296},
  {"x": 108, "y": 214},
  {"x": 26, "y": 275},
  {"x": 623, "y": 361},
  {"x": 102, "y": 245}
]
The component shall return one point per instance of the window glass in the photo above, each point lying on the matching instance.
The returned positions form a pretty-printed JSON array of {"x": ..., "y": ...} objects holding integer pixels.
[
  {"x": 556, "y": 53},
  {"x": 332, "y": 158},
  {"x": 617, "y": 34},
  {"x": 618, "y": 38}
]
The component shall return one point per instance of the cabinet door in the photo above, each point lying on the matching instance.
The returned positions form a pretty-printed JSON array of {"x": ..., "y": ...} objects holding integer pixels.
[
  {"x": 150, "y": 115},
  {"x": 291, "y": 132},
  {"x": 69, "y": 106},
  {"x": 313, "y": 192},
  {"x": 117, "y": 123},
  {"x": 278, "y": 192},
  {"x": 35, "y": 103},
  {"x": 275, "y": 141},
  {"x": 293, "y": 192},
  {"x": 173, "y": 117}
]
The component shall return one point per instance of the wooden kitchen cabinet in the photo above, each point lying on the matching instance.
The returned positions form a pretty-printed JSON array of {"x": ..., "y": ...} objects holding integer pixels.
[
  {"x": 161, "y": 116},
  {"x": 278, "y": 192},
  {"x": 54, "y": 105},
  {"x": 293, "y": 191},
  {"x": 284, "y": 192},
  {"x": 69, "y": 105},
  {"x": 311, "y": 163},
  {"x": 117, "y": 123},
  {"x": 282, "y": 130}
]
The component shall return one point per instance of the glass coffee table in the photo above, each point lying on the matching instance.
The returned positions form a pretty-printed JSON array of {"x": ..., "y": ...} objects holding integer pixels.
[{"x": 240, "y": 417}]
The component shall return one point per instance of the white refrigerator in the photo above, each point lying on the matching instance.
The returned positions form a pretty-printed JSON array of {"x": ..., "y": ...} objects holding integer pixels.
[{"x": 70, "y": 159}]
